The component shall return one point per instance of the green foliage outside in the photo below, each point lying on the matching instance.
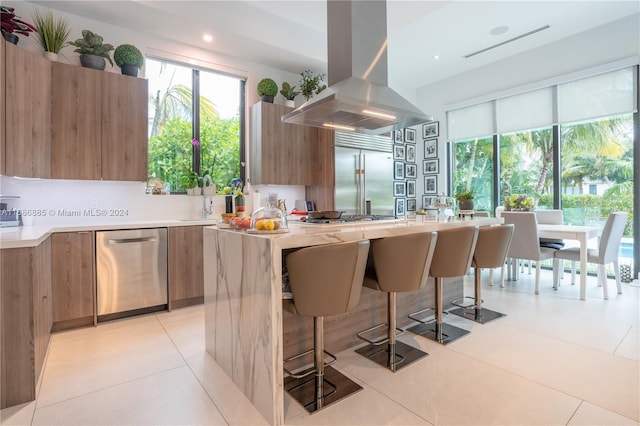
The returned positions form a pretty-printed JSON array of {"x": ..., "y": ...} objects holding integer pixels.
[{"x": 170, "y": 151}]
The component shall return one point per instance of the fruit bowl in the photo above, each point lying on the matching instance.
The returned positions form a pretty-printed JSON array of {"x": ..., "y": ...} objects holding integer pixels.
[
  {"x": 268, "y": 219},
  {"x": 240, "y": 222}
]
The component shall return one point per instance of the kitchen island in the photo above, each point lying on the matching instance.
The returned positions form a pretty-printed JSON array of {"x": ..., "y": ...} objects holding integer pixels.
[{"x": 243, "y": 298}]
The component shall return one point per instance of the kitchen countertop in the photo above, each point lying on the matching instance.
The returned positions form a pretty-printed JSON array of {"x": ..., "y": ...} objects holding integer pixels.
[{"x": 31, "y": 236}]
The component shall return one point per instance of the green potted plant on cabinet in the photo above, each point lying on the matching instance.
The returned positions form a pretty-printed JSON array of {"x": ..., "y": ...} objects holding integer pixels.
[
  {"x": 289, "y": 93},
  {"x": 52, "y": 33},
  {"x": 92, "y": 50},
  {"x": 129, "y": 59},
  {"x": 465, "y": 199},
  {"x": 11, "y": 25},
  {"x": 267, "y": 89},
  {"x": 311, "y": 84}
]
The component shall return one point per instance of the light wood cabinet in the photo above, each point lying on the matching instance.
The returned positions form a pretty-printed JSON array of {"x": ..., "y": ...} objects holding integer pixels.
[
  {"x": 99, "y": 125},
  {"x": 186, "y": 272},
  {"x": 27, "y": 106},
  {"x": 76, "y": 124},
  {"x": 25, "y": 325},
  {"x": 281, "y": 153},
  {"x": 73, "y": 279}
]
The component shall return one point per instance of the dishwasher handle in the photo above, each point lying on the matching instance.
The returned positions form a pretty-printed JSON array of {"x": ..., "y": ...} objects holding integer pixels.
[{"x": 131, "y": 240}]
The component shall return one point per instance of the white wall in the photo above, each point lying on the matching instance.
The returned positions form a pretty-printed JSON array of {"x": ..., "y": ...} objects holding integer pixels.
[
  {"x": 51, "y": 194},
  {"x": 608, "y": 43}
]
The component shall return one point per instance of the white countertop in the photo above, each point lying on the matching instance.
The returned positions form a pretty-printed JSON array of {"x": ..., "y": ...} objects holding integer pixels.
[{"x": 31, "y": 236}]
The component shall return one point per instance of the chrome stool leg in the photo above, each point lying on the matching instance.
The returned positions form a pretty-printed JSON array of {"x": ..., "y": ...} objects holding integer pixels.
[
  {"x": 436, "y": 329},
  {"x": 475, "y": 312},
  {"x": 395, "y": 355}
]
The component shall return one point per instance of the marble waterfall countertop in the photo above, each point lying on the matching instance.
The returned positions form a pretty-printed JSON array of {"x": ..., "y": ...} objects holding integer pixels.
[
  {"x": 243, "y": 297},
  {"x": 32, "y": 236}
]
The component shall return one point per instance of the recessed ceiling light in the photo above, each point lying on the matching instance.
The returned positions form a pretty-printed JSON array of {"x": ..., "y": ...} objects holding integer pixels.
[
  {"x": 436, "y": 56},
  {"x": 499, "y": 30},
  {"x": 208, "y": 38}
]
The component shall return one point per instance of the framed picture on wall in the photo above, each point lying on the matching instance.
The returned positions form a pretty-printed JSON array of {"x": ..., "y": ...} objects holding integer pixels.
[
  {"x": 411, "y": 188},
  {"x": 410, "y": 135},
  {"x": 399, "y": 188},
  {"x": 410, "y": 153},
  {"x": 411, "y": 204},
  {"x": 430, "y": 167},
  {"x": 426, "y": 201},
  {"x": 431, "y": 148},
  {"x": 398, "y": 152},
  {"x": 400, "y": 207},
  {"x": 398, "y": 138},
  {"x": 411, "y": 171},
  {"x": 430, "y": 130},
  {"x": 431, "y": 184},
  {"x": 398, "y": 169}
]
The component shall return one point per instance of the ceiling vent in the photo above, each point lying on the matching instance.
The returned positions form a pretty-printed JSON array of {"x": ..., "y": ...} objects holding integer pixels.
[{"x": 537, "y": 30}]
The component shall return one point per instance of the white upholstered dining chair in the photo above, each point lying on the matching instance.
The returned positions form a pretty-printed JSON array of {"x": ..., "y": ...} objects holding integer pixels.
[{"x": 606, "y": 253}]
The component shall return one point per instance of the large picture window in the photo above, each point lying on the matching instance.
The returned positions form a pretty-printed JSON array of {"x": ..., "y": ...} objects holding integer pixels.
[{"x": 182, "y": 143}]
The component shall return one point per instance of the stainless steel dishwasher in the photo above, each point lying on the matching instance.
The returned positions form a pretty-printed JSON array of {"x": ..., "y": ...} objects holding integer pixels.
[{"x": 131, "y": 272}]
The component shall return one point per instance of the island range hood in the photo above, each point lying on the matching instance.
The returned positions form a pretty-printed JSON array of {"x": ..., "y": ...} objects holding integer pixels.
[{"x": 358, "y": 98}]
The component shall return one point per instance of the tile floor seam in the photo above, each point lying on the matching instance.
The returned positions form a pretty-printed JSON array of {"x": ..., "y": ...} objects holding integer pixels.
[
  {"x": 193, "y": 372},
  {"x": 107, "y": 387},
  {"x": 574, "y": 413},
  {"x": 622, "y": 340}
]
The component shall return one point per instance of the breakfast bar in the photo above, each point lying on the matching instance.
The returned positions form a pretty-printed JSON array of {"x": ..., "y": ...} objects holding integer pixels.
[{"x": 243, "y": 298}]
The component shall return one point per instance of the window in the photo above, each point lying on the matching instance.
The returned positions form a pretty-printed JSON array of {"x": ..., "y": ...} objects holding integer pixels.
[
  {"x": 473, "y": 170},
  {"x": 173, "y": 156}
]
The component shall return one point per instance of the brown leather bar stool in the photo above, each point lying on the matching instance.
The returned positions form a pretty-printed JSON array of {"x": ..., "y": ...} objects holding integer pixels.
[
  {"x": 325, "y": 280},
  {"x": 400, "y": 264},
  {"x": 490, "y": 252},
  {"x": 452, "y": 258}
]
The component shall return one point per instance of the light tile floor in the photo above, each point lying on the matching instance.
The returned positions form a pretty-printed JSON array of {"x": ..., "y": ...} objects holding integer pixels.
[{"x": 552, "y": 360}]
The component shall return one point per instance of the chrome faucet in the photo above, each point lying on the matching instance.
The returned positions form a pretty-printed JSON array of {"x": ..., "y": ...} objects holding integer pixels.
[{"x": 206, "y": 209}]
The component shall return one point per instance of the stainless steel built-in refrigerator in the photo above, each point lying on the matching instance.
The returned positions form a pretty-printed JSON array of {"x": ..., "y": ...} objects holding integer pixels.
[{"x": 364, "y": 174}]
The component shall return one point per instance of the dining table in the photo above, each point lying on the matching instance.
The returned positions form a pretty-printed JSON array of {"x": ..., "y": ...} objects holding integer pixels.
[{"x": 580, "y": 233}]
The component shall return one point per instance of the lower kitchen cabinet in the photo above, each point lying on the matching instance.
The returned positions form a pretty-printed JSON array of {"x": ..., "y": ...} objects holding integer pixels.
[
  {"x": 73, "y": 281},
  {"x": 186, "y": 272},
  {"x": 26, "y": 320}
]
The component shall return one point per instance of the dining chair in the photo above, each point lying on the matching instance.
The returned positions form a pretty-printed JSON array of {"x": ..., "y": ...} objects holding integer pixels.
[
  {"x": 525, "y": 243},
  {"x": 607, "y": 252}
]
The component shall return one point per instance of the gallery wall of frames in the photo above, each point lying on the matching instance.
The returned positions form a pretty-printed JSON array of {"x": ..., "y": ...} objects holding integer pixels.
[{"x": 405, "y": 167}]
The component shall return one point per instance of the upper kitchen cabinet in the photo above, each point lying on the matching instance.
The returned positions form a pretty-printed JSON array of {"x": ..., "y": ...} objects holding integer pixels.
[
  {"x": 99, "y": 125},
  {"x": 27, "y": 114},
  {"x": 282, "y": 154},
  {"x": 125, "y": 147}
]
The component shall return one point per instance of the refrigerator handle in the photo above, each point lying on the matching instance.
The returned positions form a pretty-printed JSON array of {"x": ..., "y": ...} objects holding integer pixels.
[{"x": 363, "y": 195}]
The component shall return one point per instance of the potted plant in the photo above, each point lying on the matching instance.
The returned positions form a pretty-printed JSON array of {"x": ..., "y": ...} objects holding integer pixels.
[
  {"x": 52, "y": 33},
  {"x": 465, "y": 199},
  {"x": 92, "y": 50},
  {"x": 10, "y": 25},
  {"x": 267, "y": 89},
  {"x": 289, "y": 93},
  {"x": 310, "y": 84},
  {"x": 519, "y": 202},
  {"x": 129, "y": 59},
  {"x": 192, "y": 181}
]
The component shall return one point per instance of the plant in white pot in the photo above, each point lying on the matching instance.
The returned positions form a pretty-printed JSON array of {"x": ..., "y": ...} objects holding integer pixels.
[
  {"x": 289, "y": 93},
  {"x": 52, "y": 33},
  {"x": 129, "y": 59},
  {"x": 92, "y": 50}
]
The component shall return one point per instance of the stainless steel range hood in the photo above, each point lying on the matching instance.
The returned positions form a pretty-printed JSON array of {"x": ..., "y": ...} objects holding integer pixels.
[{"x": 358, "y": 97}]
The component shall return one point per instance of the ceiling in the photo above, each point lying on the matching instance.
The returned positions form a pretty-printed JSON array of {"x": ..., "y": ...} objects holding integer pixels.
[{"x": 291, "y": 35}]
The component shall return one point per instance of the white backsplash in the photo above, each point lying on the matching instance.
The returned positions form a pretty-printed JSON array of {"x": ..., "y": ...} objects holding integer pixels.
[{"x": 61, "y": 201}]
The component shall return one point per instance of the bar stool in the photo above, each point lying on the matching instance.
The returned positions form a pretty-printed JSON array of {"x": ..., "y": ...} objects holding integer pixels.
[
  {"x": 452, "y": 258},
  {"x": 400, "y": 264},
  {"x": 325, "y": 280},
  {"x": 490, "y": 252}
]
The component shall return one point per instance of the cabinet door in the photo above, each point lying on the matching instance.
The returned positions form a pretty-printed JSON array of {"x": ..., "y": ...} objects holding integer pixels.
[
  {"x": 125, "y": 146},
  {"x": 186, "y": 272},
  {"x": 28, "y": 114},
  {"x": 42, "y": 320},
  {"x": 76, "y": 122},
  {"x": 72, "y": 279},
  {"x": 3, "y": 101},
  {"x": 281, "y": 153}
]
